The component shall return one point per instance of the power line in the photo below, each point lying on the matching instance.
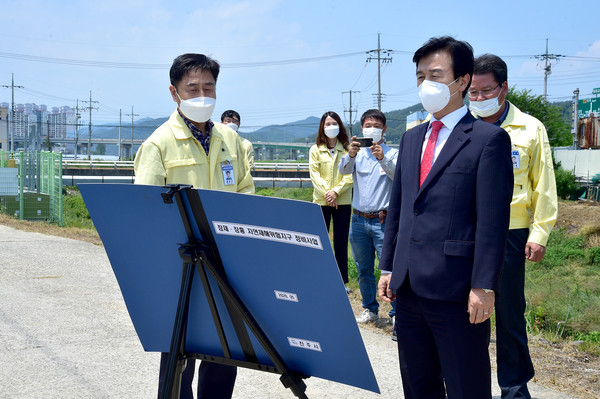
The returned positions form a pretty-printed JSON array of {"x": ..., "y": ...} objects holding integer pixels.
[{"x": 130, "y": 65}]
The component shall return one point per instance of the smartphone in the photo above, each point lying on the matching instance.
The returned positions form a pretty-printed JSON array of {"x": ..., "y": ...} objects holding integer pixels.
[{"x": 365, "y": 141}]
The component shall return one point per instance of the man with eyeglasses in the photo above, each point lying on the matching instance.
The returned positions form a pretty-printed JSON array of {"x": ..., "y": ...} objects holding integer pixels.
[{"x": 533, "y": 212}]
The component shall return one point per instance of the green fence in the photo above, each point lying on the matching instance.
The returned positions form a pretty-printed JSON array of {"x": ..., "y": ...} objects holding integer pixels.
[{"x": 31, "y": 185}]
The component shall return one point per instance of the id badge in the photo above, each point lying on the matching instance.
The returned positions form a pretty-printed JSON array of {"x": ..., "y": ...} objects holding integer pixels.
[
  {"x": 516, "y": 160},
  {"x": 227, "y": 169}
]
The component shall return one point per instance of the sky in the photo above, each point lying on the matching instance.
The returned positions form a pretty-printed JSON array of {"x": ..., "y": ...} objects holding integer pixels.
[{"x": 281, "y": 61}]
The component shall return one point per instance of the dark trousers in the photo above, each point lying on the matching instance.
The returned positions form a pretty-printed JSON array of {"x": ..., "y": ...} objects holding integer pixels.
[
  {"x": 440, "y": 350},
  {"x": 514, "y": 363},
  {"x": 215, "y": 381},
  {"x": 341, "y": 227}
]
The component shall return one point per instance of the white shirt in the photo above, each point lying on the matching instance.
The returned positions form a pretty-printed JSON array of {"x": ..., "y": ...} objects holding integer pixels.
[{"x": 449, "y": 121}]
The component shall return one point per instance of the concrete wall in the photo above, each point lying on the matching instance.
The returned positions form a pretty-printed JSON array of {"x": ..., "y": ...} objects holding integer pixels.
[{"x": 585, "y": 164}]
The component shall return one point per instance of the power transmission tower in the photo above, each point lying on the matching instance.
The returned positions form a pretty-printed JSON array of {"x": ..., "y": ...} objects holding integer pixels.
[
  {"x": 382, "y": 55},
  {"x": 90, "y": 107},
  {"x": 350, "y": 110},
  {"x": 547, "y": 67},
  {"x": 132, "y": 115},
  {"x": 11, "y": 117}
]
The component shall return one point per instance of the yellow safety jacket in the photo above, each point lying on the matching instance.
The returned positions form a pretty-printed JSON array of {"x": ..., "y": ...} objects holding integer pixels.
[
  {"x": 325, "y": 175},
  {"x": 172, "y": 155},
  {"x": 534, "y": 204}
]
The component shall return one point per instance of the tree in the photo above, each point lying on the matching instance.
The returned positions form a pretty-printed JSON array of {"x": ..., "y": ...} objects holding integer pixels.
[
  {"x": 48, "y": 143},
  {"x": 100, "y": 149},
  {"x": 559, "y": 131}
]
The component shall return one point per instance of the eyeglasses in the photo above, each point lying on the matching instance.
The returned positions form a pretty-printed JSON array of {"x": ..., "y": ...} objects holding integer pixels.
[{"x": 484, "y": 92}]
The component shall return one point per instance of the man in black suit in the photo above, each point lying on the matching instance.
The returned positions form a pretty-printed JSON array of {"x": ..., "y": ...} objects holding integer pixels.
[{"x": 447, "y": 226}]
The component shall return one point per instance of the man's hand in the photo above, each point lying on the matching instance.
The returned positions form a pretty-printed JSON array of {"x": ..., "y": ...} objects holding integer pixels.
[
  {"x": 385, "y": 293},
  {"x": 354, "y": 147},
  {"x": 377, "y": 151},
  {"x": 534, "y": 252},
  {"x": 331, "y": 198},
  {"x": 481, "y": 305}
]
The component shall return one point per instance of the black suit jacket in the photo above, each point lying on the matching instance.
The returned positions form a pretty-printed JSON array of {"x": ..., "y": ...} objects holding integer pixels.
[{"x": 449, "y": 235}]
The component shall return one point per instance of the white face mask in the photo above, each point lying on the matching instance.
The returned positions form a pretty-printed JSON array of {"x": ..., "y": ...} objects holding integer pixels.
[
  {"x": 434, "y": 95},
  {"x": 332, "y": 131},
  {"x": 374, "y": 133},
  {"x": 197, "y": 109},
  {"x": 487, "y": 107},
  {"x": 232, "y": 125}
]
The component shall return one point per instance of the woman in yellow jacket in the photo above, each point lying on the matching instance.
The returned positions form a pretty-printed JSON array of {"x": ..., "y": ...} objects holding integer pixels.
[{"x": 332, "y": 190}]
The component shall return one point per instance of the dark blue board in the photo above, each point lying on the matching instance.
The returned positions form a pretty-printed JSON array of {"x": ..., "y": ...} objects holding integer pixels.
[{"x": 277, "y": 257}]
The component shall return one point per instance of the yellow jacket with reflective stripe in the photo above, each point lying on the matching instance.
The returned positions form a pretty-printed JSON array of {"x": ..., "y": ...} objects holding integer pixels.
[
  {"x": 534, "y": 204},
  {"x": 172, "y": 155},
  {"x": 325, "y": 175}
]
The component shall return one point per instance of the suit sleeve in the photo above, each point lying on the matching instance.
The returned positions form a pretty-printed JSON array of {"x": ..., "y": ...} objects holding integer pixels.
[
  {"x": 392, "y": 220},
  {"x": 493, "y": 196}
]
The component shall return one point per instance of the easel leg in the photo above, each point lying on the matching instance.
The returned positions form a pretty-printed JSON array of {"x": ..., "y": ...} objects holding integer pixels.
[{"x": 176, "y": 362}]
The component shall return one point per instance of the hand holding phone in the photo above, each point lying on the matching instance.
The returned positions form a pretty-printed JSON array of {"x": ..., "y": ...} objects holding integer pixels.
[{"x": 365, "y": 141}]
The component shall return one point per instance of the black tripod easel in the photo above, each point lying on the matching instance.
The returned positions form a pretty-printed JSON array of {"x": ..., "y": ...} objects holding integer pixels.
[{"x": 204, "y": 257}]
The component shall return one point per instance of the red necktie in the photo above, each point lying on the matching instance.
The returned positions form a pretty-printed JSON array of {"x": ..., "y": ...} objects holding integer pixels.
[{"x": 427, "y": 160}]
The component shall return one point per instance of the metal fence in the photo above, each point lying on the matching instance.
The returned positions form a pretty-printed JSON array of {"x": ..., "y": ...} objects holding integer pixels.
[{"x": 31, "y": 185}]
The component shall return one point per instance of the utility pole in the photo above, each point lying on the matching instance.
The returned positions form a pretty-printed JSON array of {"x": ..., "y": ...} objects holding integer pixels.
[
  {"x": 77, "y": 117},
  {"x": 132, "y": 115},
  {"x": 119, "y": 145},
  {"x": 350, "y": 109},
  {"x": 12, "y": 112},
  {"x": 575, "y": 122},
  {"x": 547, "y": 67},
  {"x": 90, "y": 107},
  {"x": 385, "y": 58}
]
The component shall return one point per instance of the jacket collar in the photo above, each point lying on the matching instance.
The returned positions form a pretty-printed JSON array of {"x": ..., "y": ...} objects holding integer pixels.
[
  {"x": 338, "y": 147},
  {"x": 182, "y": 132},
  {"x": 457, "y": 139},
  {"x": 515, "y": 117}
]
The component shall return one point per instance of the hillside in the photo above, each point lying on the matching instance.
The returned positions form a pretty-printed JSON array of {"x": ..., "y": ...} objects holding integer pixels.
[{"x": 297, "y": 131}]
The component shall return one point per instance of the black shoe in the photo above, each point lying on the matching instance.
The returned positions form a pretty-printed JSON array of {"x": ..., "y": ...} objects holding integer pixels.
[{"x": 394, "y": 337}]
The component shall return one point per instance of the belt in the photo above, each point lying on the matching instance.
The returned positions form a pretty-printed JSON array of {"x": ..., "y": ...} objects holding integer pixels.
[{"x": 372, "y": 215}]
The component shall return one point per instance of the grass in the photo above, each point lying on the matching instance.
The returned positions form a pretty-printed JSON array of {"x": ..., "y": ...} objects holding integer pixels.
[{"x": 563, "y": 290}]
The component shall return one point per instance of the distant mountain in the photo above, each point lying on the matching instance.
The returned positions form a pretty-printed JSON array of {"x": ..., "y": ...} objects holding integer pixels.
[
  {"x": 285, "y": 133},
  {"x": 298, "y": 131}
]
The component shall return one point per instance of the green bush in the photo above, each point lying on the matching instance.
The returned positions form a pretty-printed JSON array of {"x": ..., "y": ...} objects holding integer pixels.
[
  {"x": 566, "y": 186},
  {"x": 75, "y": 214},
  {"x": 304, "y": 194},
  {"x": 593, "y": 257}
]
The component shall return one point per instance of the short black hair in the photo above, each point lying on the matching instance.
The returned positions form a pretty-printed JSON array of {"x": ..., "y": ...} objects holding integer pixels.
[
  {"x": 373, "y": 113},
  {"x": 461, "y": 53},
  {"x": 490, "y": 63},
  {"x": 192, "y": 62},
  {"x": 230, "y": 114}
]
